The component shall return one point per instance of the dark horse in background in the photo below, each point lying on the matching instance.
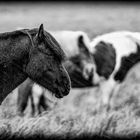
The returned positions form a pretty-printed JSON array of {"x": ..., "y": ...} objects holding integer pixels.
[
  {"x": 34, "y": 54},
  {"x": 75, "y": 66}
]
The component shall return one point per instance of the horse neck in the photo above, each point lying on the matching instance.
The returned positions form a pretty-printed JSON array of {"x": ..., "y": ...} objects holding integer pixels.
[{"x": 14, "y": 54}]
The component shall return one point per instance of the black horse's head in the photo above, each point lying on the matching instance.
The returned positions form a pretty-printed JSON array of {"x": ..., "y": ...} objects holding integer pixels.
[{"x": 45, "y": 63}]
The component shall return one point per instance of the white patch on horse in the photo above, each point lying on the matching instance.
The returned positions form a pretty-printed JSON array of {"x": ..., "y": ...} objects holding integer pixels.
[
  {"x": 38, "y": 91},
  {"x": 69, "y": 41},
  {"x": 124, "y": 43}
]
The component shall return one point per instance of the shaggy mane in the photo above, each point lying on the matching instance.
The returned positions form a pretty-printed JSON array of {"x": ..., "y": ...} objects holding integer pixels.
[{"x": 49, "y": 39}]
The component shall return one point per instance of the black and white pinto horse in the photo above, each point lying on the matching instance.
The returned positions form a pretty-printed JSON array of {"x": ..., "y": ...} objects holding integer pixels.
[
  {"x": 79, "y": 65},
  {"x": 33, "y": 54},
  {"x": 114, "y": 55}
]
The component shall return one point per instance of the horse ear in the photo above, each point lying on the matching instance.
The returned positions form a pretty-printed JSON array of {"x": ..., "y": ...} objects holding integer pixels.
[
  {"x": 41, "y": 31},
  {"x": 82, "y": 45}
]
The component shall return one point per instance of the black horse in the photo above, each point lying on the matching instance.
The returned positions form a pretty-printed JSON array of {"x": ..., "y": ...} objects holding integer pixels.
[
  {"x": 75, "y": 67},
  {"x": 34, "y": 54}
]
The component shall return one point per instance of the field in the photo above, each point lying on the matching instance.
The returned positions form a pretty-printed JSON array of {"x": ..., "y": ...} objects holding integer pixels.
[{"x": 76, "y": 115}]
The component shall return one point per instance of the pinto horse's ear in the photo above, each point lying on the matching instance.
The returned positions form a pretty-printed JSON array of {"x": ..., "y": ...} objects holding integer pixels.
[
  {"x": 82, "y": 45},
  {"x": 40, "y": 31}
]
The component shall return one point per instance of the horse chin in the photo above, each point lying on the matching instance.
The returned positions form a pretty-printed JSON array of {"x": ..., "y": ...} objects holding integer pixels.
[
  {"x": 51, "y": 96},
  {"x": 59, "y": 96}
]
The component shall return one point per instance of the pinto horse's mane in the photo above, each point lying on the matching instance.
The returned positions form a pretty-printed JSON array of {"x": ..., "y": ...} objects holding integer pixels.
[{"x": 49, "y": 40}]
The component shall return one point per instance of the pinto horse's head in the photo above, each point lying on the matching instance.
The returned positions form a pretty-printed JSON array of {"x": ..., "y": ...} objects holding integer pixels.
[
  {"x": 45, "y": 63},
  {"x": 84, "y": 60}
]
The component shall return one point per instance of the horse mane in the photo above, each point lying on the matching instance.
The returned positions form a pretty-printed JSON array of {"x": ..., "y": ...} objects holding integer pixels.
[
  {"x": 50, "y": 40},
  {"x": 55, "y": 46},
  {"x": 11, "y": 34}
]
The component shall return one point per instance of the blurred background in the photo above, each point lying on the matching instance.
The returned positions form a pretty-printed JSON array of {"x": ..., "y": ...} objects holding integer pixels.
[
  {"x": 77, "y": 114},
  {"x": 91, "y": 17}
]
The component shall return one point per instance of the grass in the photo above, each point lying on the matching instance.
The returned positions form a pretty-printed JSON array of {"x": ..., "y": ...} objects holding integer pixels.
[{"x": 76, "y": 116}]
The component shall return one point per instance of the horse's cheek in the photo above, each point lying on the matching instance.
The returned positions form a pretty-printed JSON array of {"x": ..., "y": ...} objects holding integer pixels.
[{"x": 34, "y": 71}]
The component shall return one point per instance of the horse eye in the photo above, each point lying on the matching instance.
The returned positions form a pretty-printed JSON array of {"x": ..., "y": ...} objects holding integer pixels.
[
  {"x": 50, "y": 74},
  {"x": 76, "y": 62},
  {"x": 50, "y": 70}
]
